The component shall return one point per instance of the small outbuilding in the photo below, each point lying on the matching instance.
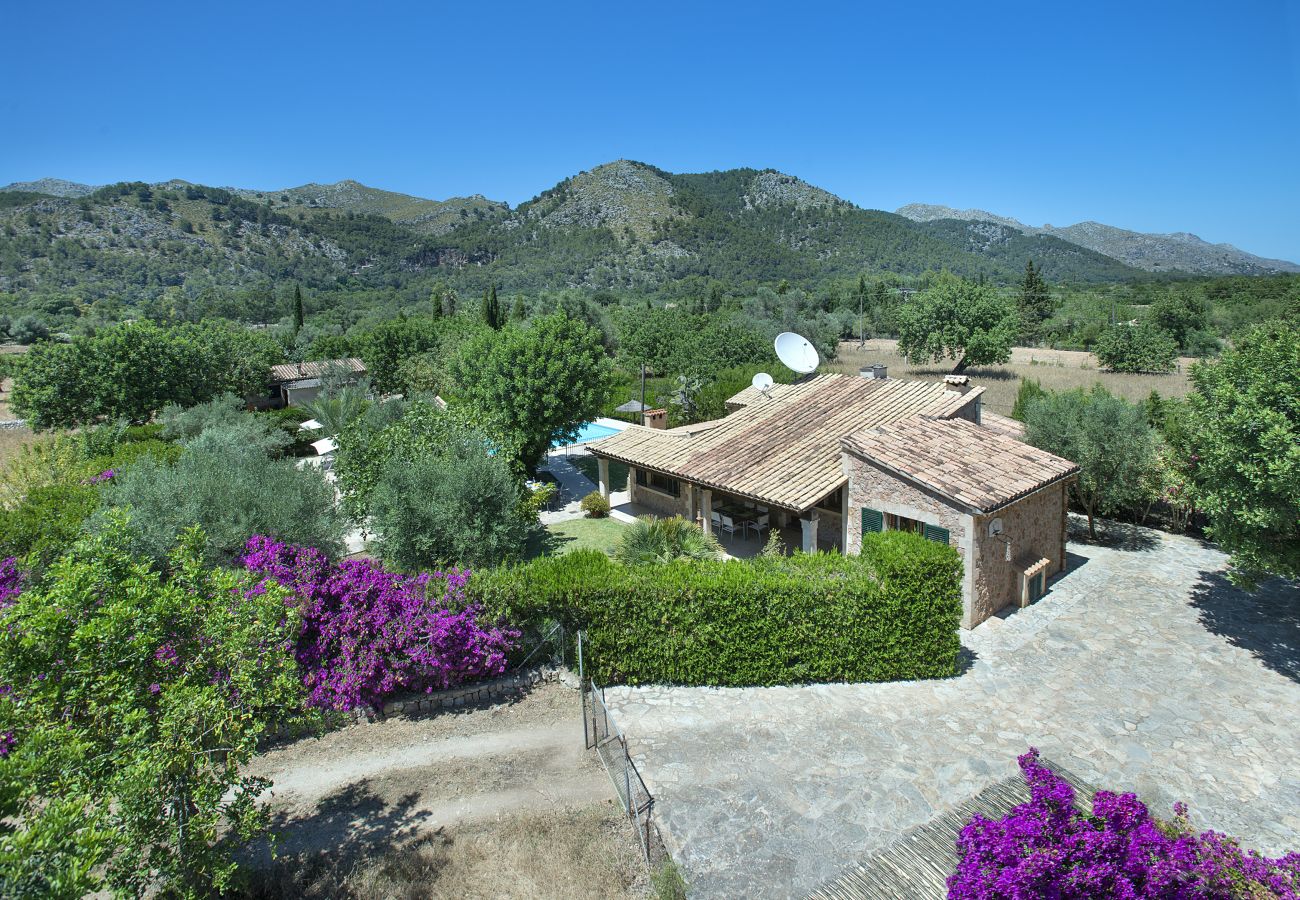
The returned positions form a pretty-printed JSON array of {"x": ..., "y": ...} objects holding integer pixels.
[{"x": 293, "y": 384}]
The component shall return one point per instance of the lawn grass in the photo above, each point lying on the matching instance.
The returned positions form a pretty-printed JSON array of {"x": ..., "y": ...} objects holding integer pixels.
[
  {"x": 617, "y": 471},
  {"x": 1056, "y": 370},
  {"x": 583, "y": 534}
]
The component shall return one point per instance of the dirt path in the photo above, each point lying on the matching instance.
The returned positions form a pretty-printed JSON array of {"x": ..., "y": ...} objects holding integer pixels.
[{"x": 500, "y": 801}]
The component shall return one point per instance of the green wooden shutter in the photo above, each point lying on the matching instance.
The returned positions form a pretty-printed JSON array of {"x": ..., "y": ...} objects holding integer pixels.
[
  {"x": 936, "y": 534},
  {"x": 872, "y": 520}
]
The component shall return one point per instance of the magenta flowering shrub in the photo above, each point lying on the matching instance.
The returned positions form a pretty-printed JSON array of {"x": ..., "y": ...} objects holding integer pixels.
[
  {"x": 1047, "y": 848},
  {"x": 368, "y": 633},
  {"x": 11, "y": 581}
]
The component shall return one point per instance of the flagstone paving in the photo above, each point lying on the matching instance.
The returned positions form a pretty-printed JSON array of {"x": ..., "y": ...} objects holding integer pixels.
[{"x": 1143, "y": 669}]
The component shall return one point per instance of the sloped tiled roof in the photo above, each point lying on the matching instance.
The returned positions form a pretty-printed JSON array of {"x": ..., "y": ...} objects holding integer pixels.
[
  {"x": 1003, "y": 425},
  {"x": 981, "y": 469},
  {"x": 783, "y": 449},
  {"x": 301, "y": 370}
]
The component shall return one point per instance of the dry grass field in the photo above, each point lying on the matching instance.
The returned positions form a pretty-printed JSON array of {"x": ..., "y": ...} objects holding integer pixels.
[
  {"x": 12, "y": 440},
  {"x": 1057, "y": 370}
]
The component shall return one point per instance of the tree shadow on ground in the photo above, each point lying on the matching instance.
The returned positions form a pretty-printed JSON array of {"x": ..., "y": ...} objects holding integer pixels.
[
  {"x": 1114, "y": 535},
  {"x": 316, "y": 852},
  {"x": 1266, "y": 623}
]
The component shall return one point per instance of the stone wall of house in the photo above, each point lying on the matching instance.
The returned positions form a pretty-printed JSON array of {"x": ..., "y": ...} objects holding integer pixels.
[
  {"x": 875, "y": 488},
  {"x": 657, "y": 501},
  {"x": 1033, "y": 525}
]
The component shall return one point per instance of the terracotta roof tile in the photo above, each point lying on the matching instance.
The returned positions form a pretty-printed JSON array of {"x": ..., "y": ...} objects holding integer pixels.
[
  {"x": 979, "y": 468},
  {"x": 315, "y": 369},
  {"x": 783, "y": 449}
]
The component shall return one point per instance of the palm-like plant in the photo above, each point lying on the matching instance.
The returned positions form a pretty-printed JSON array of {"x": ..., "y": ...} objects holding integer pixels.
[
  {"x": 651, "y": 540},
  {"x": 337, "y": 409}
]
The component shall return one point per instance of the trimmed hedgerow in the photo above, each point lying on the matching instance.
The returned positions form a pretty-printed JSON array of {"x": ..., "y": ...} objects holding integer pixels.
[{"x": 890, "y": 614}]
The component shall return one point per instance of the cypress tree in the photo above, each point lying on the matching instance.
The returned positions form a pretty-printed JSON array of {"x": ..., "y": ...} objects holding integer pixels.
[
  {"x": 1034, "y": 302},
  {"x": 299, "y": 316},
  {"x": 519, "y": 313}
]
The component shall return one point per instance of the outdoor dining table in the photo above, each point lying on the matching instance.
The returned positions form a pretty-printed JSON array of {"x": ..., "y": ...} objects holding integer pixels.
[{"x": 741, "y": 515}]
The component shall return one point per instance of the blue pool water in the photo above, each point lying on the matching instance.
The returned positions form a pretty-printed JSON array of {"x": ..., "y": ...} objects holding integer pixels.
[{"x": 591, "y": 431}]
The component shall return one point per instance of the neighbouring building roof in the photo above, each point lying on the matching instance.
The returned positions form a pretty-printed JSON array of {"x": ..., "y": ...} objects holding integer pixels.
[
  {"x": 302, "y": 384},
  {"x": 1003, "y": 425},
  {"x": 316, "y": 369},
  {"x": 981, "y": 469},
  {"x": 782, "y": 449}
]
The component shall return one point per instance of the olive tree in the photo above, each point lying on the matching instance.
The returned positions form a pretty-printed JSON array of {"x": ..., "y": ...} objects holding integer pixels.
[
  {"x": 1107, "y": 436},
  {"x": 960, "y": 320}
]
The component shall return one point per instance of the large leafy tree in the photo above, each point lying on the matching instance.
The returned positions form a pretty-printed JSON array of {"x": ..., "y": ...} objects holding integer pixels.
[
  {"x": 539, "y": 382},
  {"x": 959, "y": 319},
  {"x": 1106, "y": 435},
  {"x": 131, "y": 704},
  {"x": 131, "y": 371},
  {"x": 1241, "y": 446}
]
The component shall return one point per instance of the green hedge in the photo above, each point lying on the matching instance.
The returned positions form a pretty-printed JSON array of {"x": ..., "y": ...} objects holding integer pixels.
[{"x": 890, "y": 614}]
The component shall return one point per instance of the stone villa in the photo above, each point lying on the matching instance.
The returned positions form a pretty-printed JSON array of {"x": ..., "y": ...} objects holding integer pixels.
[{"x": 842, "y": 456}]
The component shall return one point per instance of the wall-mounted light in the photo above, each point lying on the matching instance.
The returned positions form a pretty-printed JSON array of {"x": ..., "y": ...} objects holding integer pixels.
[{"x": 995, "y": 531}]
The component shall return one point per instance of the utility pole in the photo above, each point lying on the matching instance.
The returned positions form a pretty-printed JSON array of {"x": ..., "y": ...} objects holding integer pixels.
[{"x": 642, "y": 393}]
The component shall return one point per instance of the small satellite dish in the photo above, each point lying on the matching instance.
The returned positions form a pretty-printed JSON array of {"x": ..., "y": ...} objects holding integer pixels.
[
  {"x": 796, "y": 352},
  {"x": 762, "y": 382}
]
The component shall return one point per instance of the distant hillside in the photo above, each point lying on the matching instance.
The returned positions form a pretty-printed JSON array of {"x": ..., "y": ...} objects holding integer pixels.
[
  {"x": 1181, "y": 252},
  {"x": 54, "y": 187},
  {"x": 625, "y": 227},
  {"x": 425, "y": 216}
]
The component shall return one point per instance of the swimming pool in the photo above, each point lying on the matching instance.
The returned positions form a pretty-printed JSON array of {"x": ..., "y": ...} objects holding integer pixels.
[{"x": 590, "y": 431}]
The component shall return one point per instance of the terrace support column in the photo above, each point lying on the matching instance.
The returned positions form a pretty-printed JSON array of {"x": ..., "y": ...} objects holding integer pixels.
[
  {"x": 689, "y": 500},
  {"x": 809, "y": 526},
  {"x": 602, "y": 473},
  {"x": 706, "y": 509}
]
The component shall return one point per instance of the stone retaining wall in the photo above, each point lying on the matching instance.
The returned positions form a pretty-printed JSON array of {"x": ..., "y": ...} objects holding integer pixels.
[{"x": 466, "y": 695}]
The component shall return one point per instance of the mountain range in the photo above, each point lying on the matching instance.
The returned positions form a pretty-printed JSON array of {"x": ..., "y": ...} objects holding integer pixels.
[
  {"x": 1180, "y": 251},
  {"x": 620, "y": 226}
]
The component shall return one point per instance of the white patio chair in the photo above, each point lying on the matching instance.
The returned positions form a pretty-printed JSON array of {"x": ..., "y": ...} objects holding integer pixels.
[
  {"x": 728, "y": 525},
  {"x": 716, "y": 519},
  {"x": 760, "y": 524}
]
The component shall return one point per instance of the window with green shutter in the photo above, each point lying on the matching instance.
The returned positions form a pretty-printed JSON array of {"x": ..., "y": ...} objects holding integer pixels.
[
  {"x": 872, "y": 520},
  {"x": 936, "y": 534}
]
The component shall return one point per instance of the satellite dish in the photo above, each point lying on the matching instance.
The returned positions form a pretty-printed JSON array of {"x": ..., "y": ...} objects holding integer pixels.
[
  {"x": 796, "y": 352},
  {"x": 762, "y": 382}
]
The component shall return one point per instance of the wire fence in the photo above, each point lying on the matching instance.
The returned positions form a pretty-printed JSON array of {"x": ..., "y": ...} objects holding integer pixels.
[{"x": 603, "y": 736}]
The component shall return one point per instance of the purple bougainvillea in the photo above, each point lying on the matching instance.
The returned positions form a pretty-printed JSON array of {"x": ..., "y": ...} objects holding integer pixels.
[
  {"x": 11, "y": 581},
  {"x": 368, "y": 633},
  {"x": 1047, "y": 848}
]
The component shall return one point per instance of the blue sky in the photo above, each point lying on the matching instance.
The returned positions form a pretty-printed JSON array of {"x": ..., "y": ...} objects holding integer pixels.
[{"x": 1148, "y": 115}]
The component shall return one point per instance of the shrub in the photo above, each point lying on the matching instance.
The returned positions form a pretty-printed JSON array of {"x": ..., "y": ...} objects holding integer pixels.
[
  {"x": 368, "y": 633},
  {"x": 232, "y": 490},
  {"x": 131, "y": 706},
  {"x": 595, "y": 505},
  {"x": 462, "y": 506},
  {"x": 224, "y": 415},
  {"x": 1030, "y": 390},
  {"x": 1136, "y": 348},
  {"x": 1048, "y": 848},
  {"x": 653, "y": 540},
  {"x": 11, "y": 581},
  {"x": 889, "y": 614}
]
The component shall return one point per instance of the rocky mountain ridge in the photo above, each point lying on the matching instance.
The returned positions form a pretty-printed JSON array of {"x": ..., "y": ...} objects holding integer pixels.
[{"x": 1179, "y": 251}]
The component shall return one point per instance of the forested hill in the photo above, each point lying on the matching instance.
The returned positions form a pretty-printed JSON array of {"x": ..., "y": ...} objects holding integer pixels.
[{"x": 623, "y": 226}]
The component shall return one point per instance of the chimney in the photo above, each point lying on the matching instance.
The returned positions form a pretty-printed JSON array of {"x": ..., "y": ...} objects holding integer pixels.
[
  {"x": 956, "y": 384},
  {"x": 655, "y": 418}
]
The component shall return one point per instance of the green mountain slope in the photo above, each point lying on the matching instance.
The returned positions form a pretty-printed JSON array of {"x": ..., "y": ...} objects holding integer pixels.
[{"x": 623, "y": 226}]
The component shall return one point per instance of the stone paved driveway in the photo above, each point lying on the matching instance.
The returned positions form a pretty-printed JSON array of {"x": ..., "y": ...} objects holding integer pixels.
[{"x": 1142, "y": 669}]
